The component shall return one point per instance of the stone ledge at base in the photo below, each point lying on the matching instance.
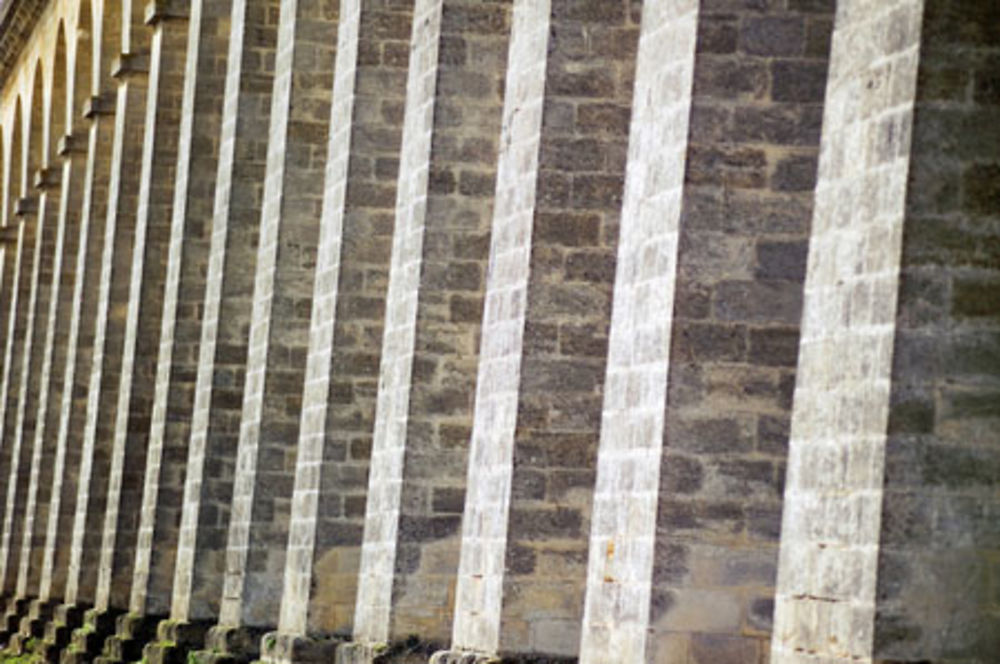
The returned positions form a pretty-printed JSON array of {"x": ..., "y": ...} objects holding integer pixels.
[
  {"x": 174, "y": 640},
  {"x": 87, "y": 641},
  {"x": 466, "y": 657},
  {"x": 227, "y": 644},
  {"x": 279, "y": 648},
  {"x": 410, "y": 651}
]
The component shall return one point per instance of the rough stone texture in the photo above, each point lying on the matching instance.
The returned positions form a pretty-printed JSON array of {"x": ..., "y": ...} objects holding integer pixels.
[
  {"x": 52, "y": 462},
  {"x": 355, "y": 243},
  {"x": 13, "y": 359},
  {"x": 18, "y": 359},
  {"x": 436, "y": 285},
  {"x": 26, "y": 455},
  {"x": 887, "y": 533},
  {"x": 215, "y": 423},
  {"x": 144, "y": 312},
  {"x": 54, "y": 201},
  {"x": 282, "y": 303},
  {"x": 757, "y": 100},
  {"x": 623, "y": 532},
  {"x": 184, "y": 290},
  {"x": 555, "y": 231},
  {"x": 78, "y": 581},
  {"x": 105, "y": 376},
  {"x": 889, "y": 539}
]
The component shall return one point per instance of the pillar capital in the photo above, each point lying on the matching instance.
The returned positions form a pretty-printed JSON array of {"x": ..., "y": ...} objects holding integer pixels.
[
  {"x": 8, "y": 235},
  {"x": 165, "y": 10},
  {"x": 48, "y": 178},
  {"x": 25, "y": 205},
  {"x": 129, "y": 65},
  {"x": 103, "y": 104},
  {"x": 71, "y": 144}
]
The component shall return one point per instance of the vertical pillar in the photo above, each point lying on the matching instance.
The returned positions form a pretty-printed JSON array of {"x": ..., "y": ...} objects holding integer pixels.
[
  {"x": 616, "y": 616},
  {"x": 889, "y": 545},
  {"x": 143, "y": 316},
  {"x": 87, "y": 556},
  {"x": 52, "y": 338},
  {"x": 684, "y": 542},
  {"x": 433, "y": 310},
  {"x": 183, "y": 299},
  {"x": 228, "y": 302},
  {"x": 279, "y": 326},
  {"x": 338, "y": 410},
  {"x": 74, "y": 584},
  {"x": 20, "y": 518},
  {"x": 534, "y": 439},
  {"x": 16, "y": 352},
  {"x": 50, "y": 466},
  {"x": 73, "y": 153}
]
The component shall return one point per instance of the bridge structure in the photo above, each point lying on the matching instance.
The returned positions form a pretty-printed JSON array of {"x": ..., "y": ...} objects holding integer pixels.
[{"x": 472, "y": 331}]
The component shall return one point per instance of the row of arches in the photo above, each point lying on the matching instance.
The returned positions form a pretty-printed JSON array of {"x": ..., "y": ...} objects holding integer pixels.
[{"x": 65, "y": 63}]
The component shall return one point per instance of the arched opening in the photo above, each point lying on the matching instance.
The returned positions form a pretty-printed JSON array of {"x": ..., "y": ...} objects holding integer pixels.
[
  {"x": 107, "y": 44},
  {"x": 35, "y": 158},
  {"x": 4, "y": 169},
  {"x": 59, "y": 112},
  {"x": 85, "y": 60},
  {"x": 15, "y": 171}
]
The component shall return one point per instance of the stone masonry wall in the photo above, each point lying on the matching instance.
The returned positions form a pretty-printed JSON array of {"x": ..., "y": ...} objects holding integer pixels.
[
  {"x": 218, "y": 398},
  {"x": 516, "y": 331}
]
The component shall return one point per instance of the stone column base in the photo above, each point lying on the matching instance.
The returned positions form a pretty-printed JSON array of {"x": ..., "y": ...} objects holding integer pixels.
[
  {"x": 174, "y": 640},
  {"x": 466, "y": 657},
  {"x": 225, "y": 644},
  {"x": 39, "y": 614},
  {"x": 132, "y": 633},
  {"x": 411, "y": 651},
  {"x": 88, "y": 641},
  {"x": 462, "y": 657},
  {"x": 58, "y": 631},
  {"x": 17, "y": 608},
  {"x": 278, "y": 648}
]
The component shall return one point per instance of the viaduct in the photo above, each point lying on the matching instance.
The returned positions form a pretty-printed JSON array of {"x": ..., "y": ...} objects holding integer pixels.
[{"x": 522, "y": 331}]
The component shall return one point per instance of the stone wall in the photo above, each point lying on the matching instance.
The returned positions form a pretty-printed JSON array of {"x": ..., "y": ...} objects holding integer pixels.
[{"x": 612, "y": 331}]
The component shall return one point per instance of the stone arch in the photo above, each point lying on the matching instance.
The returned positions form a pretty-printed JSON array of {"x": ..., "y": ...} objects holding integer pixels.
[
  {"x": 4, "y": 157},
  {"x": 83, "y": 64},
  {"x": 106, "y": 43},
  {"x": 15, "y": 172},
  {"x": 35, "y": 134},
  {"x": 59, "y": 111}
]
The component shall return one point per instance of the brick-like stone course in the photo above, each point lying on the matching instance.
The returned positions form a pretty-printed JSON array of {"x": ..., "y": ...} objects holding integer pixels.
[
  {"x": 109, "y": 336},
  {"x": 888, "y": 445},
  {"x": 623, "y": 531},
  {"x": 28, "y": 557},
  {"x": 164, "y": 86},
  {"x": 282, "y": 303},
  {"x": 184, "y": 290},
  {"x": 17, "y": 353},
  {"x": 345, "y": 307},
  {"x": 433, "y": 313},
  {"x": 555, "y": 232},
  {"x": 228, "y": 302},
  {"x": 338, "y": 411},
  {"x": 51, "y": 467},
  {"x": 73, "y": 406}
]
